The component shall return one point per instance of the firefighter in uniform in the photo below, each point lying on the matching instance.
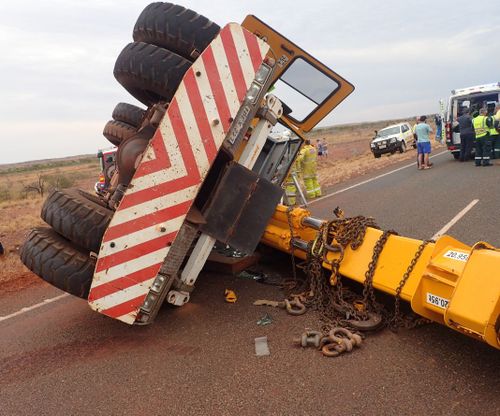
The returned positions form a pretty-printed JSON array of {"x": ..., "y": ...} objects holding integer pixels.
[
  {"x": 483, "y": 142},
  {"x": 308, "y": 157}
]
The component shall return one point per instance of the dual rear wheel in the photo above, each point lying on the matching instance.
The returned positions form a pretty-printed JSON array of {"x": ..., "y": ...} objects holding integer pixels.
[{"x": 167, "y": 39}]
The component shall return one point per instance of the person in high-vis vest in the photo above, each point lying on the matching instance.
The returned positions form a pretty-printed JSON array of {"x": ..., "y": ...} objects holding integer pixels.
[
  {"x": 494, "y": 126},
  {"x": 289, "y": 184},
  {"x": 483, "y": 142},
  {"x": 295, "y": 169},
  {"x": 308, "y": 158}
]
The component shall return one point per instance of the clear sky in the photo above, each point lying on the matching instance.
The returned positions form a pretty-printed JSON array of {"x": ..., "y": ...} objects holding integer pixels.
[{"x": 56, "y": 68}]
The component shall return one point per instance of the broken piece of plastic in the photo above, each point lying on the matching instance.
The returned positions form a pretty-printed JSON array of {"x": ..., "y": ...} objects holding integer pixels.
[
  {"x": 265, "y": 320},
  {"x": 261, "y": 347}
]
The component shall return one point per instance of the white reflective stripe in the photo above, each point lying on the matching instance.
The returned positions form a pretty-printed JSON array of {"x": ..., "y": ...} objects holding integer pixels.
[
  {"x": 245, "y": 60},
  {"x": 129, "y": 267},
  {"x": 208, "y": 99},
  {"x": 141, "y": 236},
  {"x": 478, "y": 157},
  {"x": 220, "y": 58},
  {"x": 177, "y": 168},
  {"x": 486, "y": 157},
  {"x": 191, "y": 125},
  {"x": 154, "y": 205},
  {"x": 122, "y": 296},
  {"x": 263, "y": 47}
]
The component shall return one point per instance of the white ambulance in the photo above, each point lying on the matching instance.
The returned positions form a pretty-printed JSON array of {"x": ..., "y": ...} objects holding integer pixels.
[{"x": 472, "y": 97}]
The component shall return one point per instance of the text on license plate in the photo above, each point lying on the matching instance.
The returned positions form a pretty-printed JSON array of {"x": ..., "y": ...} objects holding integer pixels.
[
  {"x": 456, "y": 255},
  {"x": 437, "y": 301},
  {"x": 382, "y": 146}
]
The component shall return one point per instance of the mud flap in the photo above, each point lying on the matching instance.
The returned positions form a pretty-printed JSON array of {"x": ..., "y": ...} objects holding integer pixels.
[{"x": 240, "y": 208}]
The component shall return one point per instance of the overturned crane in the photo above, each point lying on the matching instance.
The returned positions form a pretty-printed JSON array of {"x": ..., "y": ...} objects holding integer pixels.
[{"x": 199, "y": 167}]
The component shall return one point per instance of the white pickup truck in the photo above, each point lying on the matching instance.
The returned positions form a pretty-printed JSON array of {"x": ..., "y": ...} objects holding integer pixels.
[{"x": 396, "y": 137}]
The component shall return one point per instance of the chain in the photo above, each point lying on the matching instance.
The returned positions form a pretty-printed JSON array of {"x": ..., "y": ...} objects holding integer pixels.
[
  {"x": 334, "y": 303},
  {"x": 368, "y": 291},
  {"x": 292, "y": 238},
  {"x": 397, "y": 320}
]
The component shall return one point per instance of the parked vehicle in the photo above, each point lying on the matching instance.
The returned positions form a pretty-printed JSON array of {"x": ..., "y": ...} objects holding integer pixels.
[
  {"x": 397, "y": 137},
  {"x": 107, "y": 160},
  {"x": 472, "y": 97}
]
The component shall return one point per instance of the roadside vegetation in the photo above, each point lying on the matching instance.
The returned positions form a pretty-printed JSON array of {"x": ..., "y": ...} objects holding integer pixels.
[{"x": 23, "y": 188}]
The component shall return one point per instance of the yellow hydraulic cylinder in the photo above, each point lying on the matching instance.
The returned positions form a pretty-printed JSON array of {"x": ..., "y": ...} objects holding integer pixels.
[{"x": 452, "y": 283}]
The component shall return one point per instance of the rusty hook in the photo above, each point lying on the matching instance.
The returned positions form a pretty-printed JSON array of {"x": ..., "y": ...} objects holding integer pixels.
[
  {"x": 295, "y": 307},
  {"x": 332, "y": 349},
  {"x": 373, "y": 322}
]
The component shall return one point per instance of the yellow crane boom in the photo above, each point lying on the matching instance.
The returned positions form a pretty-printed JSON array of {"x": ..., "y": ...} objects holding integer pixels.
[{"x": 452, "y": 283}]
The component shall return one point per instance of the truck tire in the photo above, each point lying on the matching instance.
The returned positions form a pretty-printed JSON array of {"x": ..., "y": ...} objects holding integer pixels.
[
  {"x": 129, "y": 114},
  {"x": 77, "y": 217},
  {"x": 377, "y": 155},
  {"x": 118, "y": 131},
  {"x": 150, "y": 73},
  {"x": 456, "y": 156},
  {"x": 402, "y": 147},
  {"x": 175, "y": 28},
  {"x": 58, "y": 262}
]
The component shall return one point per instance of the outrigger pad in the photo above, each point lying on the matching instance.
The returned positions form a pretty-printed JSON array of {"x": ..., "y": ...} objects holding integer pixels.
[{"x": 240, "y": 208}]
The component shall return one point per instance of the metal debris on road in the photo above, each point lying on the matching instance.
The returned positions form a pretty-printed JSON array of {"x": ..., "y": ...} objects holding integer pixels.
[{"x": 262, "y": 277}]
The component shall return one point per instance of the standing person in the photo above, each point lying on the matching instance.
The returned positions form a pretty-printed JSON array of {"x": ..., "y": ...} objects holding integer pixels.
[
  {"x": 483, "y": 143},
  {"x": 308, "y": 158},
  {"x": 325, "y": 148},
  {"x": 439, "y": 126},
  {"x": 423, "y": 130},
  {"x": 496, "y": 144},
  {"x": 319, "y": 147},
  {"x": 289, "y": 184},
  {"x": 467, "y": 134},
  {"x": 491, "y": 125}
]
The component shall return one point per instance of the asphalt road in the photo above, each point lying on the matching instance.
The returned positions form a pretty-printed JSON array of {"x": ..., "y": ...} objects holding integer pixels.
[{"x": 64, "y": 359}]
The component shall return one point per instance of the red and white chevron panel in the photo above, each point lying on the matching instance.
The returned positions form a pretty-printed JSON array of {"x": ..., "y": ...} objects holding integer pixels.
[{"x": 172, "y": 170}]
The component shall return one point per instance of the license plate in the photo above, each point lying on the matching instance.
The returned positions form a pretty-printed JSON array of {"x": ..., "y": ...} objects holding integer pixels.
[
  {"x": 437, "y": 301},
  {"x": 382, "y": 146}
]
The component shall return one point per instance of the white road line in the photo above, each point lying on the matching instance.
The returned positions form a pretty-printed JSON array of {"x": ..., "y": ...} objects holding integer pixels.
[
  {"x": 30, "y": 308},
  {"x": 371, "y": 179},
  {"x": 454, "y": 220}
]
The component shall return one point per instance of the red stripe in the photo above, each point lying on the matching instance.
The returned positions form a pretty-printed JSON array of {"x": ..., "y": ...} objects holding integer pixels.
[
  {"x": 234, "y": 63},
  {"x": 157, "y": 191},
  {"x": 193, "y": 93},
  {"x": 217, "y": 88},
  {"x": 156, "y": 217},
  {"x": 124, "y": 282},
  {"x": 161, "y": 160},
  {"x": 134, "y": 252},
  {"x": 183, "y": 142},
  {"x": 253, "y": 49},
  {"x": 130, "y": 306}
]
